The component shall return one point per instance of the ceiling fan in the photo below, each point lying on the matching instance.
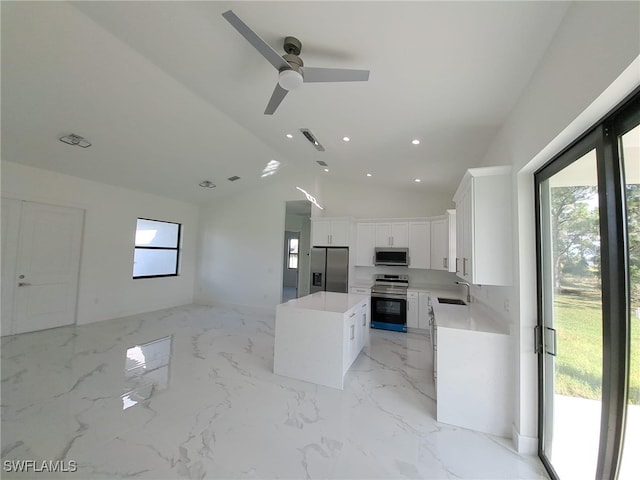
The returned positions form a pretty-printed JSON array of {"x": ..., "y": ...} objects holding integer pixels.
[{"x": 292, "y": 72}]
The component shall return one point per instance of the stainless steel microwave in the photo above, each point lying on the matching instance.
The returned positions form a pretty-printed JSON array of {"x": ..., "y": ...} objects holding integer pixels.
[{"x": 392, "y": 256}]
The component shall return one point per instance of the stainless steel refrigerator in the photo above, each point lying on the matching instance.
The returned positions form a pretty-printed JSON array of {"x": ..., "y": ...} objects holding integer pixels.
[{"x": 329, "y": 269}]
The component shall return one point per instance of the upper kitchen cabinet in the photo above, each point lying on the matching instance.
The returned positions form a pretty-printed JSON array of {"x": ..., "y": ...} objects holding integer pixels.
[
  {"x": 365, "y": 244},
  {"x": 419, "y": 244},
  {"x": 330, "y": 232},
  {"x": 483, "y": 226},
  {"x": 414, "y": 235},
  {"x": 443, "y": 242},
  {"x": 394, "y": 234}
]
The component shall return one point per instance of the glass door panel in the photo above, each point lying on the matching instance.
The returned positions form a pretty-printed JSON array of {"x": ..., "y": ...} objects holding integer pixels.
[
  {"x": 571, "y": 319},
  {"x": 630, "y": 143}
]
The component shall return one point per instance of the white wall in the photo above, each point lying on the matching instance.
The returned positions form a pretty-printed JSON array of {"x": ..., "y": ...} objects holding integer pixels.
[
  {"x": 594, "y": 45},
  {"x": 107, "y": 289},
  {"x": 359, "y": 200},
  {"x": 241, "y": 239}
]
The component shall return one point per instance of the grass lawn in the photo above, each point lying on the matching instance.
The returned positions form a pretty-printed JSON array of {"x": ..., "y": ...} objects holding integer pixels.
[{"x": 578, "y": 319}]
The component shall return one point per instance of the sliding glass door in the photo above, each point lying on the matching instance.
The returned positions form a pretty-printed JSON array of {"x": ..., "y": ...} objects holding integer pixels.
[
  {"x": 588, "y": 335},
  {"x": 572, "y": 320}
]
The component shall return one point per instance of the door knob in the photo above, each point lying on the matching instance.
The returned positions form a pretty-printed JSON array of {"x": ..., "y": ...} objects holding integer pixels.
[{"x": 24, "y": 284}]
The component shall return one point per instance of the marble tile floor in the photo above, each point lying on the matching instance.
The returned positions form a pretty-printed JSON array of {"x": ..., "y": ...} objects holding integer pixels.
[{"x": 189, "y": 392}]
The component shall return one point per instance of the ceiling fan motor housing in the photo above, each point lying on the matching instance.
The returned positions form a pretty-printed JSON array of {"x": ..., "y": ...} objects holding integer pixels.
[
  {"x": 292, "y": 45},
  {"x": 294, "y": 61}
]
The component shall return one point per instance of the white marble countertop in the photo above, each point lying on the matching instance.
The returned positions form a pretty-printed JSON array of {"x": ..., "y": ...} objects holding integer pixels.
[
  {"x": 473, "y": 316},
  {"x": 326, "y": 302}
]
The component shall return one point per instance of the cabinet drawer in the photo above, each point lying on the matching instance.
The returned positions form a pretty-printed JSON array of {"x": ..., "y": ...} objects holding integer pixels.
[{"x": 361, "y": 291}]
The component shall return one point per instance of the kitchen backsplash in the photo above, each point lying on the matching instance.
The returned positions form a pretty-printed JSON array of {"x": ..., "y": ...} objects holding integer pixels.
[{"x": 364, "y": 275}]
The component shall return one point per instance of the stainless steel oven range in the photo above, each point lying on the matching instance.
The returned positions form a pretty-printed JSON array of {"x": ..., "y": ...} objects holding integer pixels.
[{"x": 389, "y": 302}]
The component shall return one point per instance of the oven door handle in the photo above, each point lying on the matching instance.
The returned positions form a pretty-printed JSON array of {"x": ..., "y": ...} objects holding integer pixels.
[{"x": 388, "y": 296}]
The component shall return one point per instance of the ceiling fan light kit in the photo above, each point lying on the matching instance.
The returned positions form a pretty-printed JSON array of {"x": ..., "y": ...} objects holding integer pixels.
[
  {"x": 291, "y": 71},
  {"x": 290, "y": 80}
]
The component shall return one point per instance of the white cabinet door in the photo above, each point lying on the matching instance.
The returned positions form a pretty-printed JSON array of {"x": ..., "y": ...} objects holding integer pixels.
[
  {"x": 330, "y": 233},
  {"x": 484, "y": 233},
  {"x": 365, "y": 244},
  {"x": 400, "y": 235},
  {"x": 394, "y": 234},
  {"x": 353, "y": 338},
  {"x": 423, "y": 310},
  {"x": 440, "y": 244},
  {"x": 452, "y": 241},
  {"x": 339, "y": 235},
  {"x": 383, "y": 235},
  {"x": 365, "y": 321},
  {"x": 419, "y": 245},
  {"x": 463, "y": 232},
  {"x": 321, "y": 233},
  {"x": 460, "y": 218},
  {"x": 413, "y": 309}
]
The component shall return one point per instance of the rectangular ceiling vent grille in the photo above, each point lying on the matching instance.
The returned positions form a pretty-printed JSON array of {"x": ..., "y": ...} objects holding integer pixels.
[
  {"x": 234, "y": 178},
  {"x": 320, "y": 162},
  {"x": 312, "y": 139}
]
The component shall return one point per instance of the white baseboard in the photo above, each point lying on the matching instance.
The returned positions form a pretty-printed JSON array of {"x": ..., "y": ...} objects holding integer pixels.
[{"x": 524, "y": 445}]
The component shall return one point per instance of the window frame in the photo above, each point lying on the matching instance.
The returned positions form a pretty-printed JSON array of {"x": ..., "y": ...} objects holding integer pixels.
[
  {"x": 603, "y": 136},
  {"x": 293, "y": 254},
  {"x": 177, "y": 249}
]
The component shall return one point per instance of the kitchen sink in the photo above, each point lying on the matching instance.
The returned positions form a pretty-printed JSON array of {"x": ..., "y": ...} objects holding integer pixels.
[{"x": 451, "y": 301}]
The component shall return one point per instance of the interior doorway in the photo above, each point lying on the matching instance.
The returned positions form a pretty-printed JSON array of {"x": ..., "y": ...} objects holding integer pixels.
[{"x": 295, "y": 258}]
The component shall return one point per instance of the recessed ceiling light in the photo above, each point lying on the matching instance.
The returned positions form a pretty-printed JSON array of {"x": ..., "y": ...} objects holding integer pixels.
[
  {"x": 417, "y": 180},
  {"x": 288, "y": 135},
  {"x": 326, "y": 169},
  {"x": 415, "y": 141},
  {"x": 346, "y": 139},
  {"x": 368, "y": 174}
]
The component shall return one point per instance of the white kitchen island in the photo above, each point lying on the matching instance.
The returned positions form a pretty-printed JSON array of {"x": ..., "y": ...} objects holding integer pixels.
[{"x": 319, "y": 336}]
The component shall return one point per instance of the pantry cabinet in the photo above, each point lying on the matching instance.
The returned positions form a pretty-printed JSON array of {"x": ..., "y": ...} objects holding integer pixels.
[{"x": 483, "y": 226}]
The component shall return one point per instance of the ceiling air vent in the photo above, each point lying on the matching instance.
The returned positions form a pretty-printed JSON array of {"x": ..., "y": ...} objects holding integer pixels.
[
  {"x": 320, "y": 162},
  {"x": 311, "y": 137},
  {"x": 234, "y": 178}
]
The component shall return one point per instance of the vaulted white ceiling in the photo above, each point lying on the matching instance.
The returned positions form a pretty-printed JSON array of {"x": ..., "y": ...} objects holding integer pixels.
[{"x": 170, "y": 94}]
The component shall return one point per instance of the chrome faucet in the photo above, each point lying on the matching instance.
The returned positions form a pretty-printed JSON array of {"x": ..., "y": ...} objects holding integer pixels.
[{"x": 468, "y": 290}]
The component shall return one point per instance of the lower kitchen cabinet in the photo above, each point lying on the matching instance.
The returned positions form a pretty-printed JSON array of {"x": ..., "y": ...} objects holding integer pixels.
[
  {"x": 418, "y": 305},
  {"x": 474, "y": 380},
  {"x": 319, "y": 336},
  {"x": 413, "y": 309}
]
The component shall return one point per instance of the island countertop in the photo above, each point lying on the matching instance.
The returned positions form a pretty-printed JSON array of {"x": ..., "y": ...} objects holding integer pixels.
[{"x": 326, "y": 302}]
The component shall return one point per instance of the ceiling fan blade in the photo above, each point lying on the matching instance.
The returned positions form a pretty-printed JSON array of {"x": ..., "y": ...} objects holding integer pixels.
[
  {"x": 276, "y": 98},
  {"x": 252, "y": 37},
  {"x": 315, "y": 74}
]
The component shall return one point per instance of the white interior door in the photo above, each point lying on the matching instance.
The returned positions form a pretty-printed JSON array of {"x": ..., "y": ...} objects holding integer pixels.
[{"x": 44, "y": 279}]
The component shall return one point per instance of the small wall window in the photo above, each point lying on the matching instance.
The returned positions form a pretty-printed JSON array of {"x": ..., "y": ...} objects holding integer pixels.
[
  {"x": 293, "y": 253},
  {"x": 157, "y": 249}
]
